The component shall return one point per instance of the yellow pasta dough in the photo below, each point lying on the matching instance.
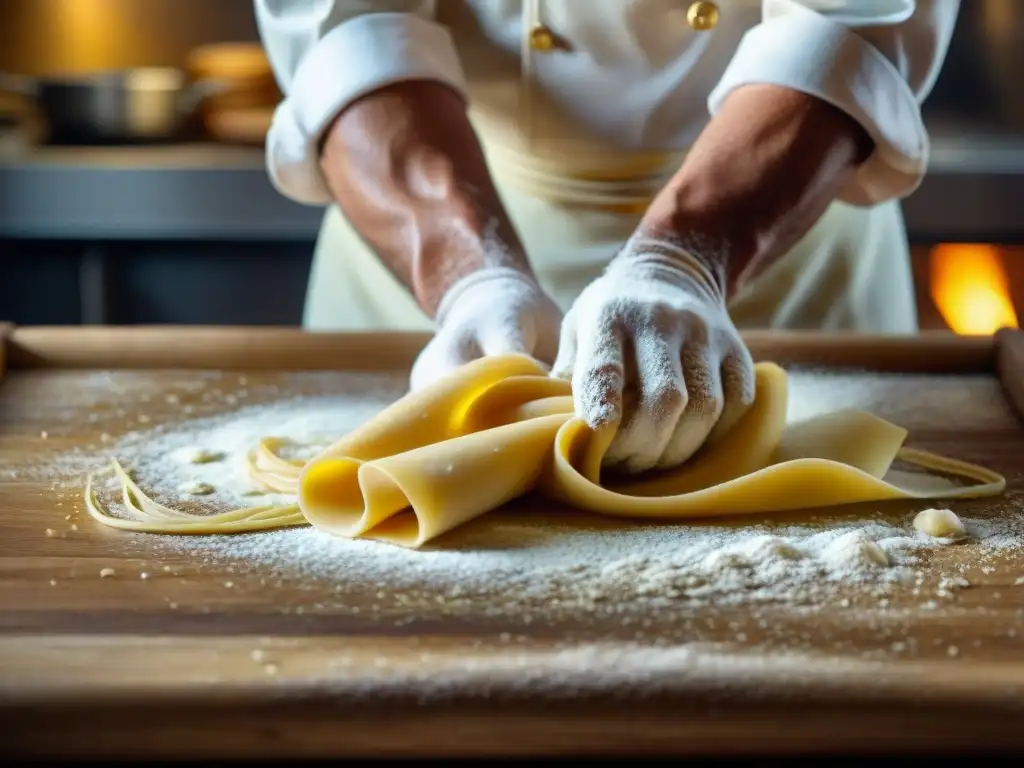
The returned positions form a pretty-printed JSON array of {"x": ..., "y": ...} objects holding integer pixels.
[{"x": 500, "y": 427}]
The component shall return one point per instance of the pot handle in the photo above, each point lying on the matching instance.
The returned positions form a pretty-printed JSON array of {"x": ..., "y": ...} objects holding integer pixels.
[{"x": 24, "y": 86}]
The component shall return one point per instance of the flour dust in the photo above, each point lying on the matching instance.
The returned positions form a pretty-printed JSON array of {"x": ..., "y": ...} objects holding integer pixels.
[{"x": 518, "y": 562}]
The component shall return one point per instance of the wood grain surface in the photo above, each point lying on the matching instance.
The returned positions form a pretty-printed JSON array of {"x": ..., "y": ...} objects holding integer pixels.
[{"x": 174, "y": 655}]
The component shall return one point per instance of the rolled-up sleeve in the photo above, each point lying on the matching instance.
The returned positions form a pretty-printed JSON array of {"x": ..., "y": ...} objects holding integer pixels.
[
  {"x": 876, "y": 60},
  {"x": 328, "y": 53}
]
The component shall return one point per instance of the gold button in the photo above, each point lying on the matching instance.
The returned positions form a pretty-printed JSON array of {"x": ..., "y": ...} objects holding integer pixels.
[
  {"x": 541, "y": 38},
  {"x": 702, "y": 16}
]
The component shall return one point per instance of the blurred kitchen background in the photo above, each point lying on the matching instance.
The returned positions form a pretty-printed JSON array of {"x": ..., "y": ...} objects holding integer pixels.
[{"x": 175, "y": 221}]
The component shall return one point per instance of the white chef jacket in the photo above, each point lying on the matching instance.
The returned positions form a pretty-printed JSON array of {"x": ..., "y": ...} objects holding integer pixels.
[{"x": 580, "y": 136}]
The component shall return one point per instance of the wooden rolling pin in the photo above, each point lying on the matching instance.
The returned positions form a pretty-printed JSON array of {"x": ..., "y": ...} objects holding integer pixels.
[
  {"x": 209, "y": 348},
  {"x": 253, "y": 348},
  {"x": 5, "y": 332},
  {"x": 928, "y": 352},
  {"x": 1010, "y": 367}
]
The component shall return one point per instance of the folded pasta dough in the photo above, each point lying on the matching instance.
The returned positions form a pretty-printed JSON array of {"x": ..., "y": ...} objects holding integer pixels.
[{"x": 500, "y": 427}]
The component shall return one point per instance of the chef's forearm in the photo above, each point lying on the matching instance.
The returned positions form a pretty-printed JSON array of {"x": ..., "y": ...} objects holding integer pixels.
[
  {"x": 759, "y": 176},
  {"x": 407, "y": 170}
]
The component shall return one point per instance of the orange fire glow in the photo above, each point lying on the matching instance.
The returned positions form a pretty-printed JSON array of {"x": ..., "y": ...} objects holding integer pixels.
[{"x": 970, "y": 288}]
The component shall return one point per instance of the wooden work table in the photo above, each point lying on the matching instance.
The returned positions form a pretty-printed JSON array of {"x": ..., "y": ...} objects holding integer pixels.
[{"x": 175, "y": 665}]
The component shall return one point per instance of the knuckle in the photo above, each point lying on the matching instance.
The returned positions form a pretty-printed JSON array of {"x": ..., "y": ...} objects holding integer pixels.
[
  {"x": 737, "y": 352},
  {"x": 666, "y": 398},
  {"x": 706, "y": 391},
  {"x": 700, "y": 378},
  {"x": 707, "y": 407},
  {"x": 609, "y": 315},
  {"x": 696, "y": 326},
  {"x": 715, "y": 406},
  {"x": 661, "y": 317},
  {"x": 598, "y": 389},
  {"x": 739, "y": 381},
  {"x": 694, "y": 358},
  {"x": 610, "y": 371}
]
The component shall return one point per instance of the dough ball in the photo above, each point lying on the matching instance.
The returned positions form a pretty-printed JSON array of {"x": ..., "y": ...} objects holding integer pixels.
[
  {"x": 196, "y": 489},
  {"x": 940, "y": 523}
]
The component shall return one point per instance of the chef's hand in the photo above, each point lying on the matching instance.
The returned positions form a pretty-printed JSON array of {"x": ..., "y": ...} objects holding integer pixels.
[
  {"x": 651, "y": 345},
  {"x": 409, "y": 173},
  {"x": 492, "y": 311}
]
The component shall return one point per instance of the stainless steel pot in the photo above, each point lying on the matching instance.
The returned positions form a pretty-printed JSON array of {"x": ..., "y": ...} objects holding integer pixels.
[{"x": 148, "y": 104}]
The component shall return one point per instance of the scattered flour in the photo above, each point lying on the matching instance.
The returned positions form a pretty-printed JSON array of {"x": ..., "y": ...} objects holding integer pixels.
[
  {"x": 517, "y": 562},
  {"x": 514, "y": 561},
  {"x": 207, "y": 456},
  {"x": 966, "y": 403},
  {"x": 581, "y": 669}
]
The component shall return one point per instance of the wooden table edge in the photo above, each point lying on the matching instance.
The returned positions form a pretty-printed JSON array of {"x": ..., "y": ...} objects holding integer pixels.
[
  {"x": 300, "y": 725},
  {"x": 700, "y": 673}
]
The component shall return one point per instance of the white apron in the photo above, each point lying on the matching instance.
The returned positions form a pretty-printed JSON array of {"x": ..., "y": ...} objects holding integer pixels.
[{"x": 851, "y": 272}]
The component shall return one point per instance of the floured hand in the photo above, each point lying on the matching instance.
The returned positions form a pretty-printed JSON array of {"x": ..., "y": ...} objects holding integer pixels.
[
  {"x": 650, "y": 344},
  {"x": 493, "y": 311}
]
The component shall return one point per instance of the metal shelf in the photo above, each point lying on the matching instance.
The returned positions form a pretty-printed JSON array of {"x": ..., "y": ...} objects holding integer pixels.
[{"x": 974, "y": 189}]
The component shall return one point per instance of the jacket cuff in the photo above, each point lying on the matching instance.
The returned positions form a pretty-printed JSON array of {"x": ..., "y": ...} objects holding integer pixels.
[
  {"x": 362, "y": 55},
  {"x": 807, "y": 52}
]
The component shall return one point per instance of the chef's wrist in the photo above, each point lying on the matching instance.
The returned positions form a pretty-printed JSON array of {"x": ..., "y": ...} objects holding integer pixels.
[
  {"x": 722, "y": 241},
  {"x": 763, "y": 170},
  {"x": 459, "y": 253},
  {"x": 497, "y": 280}
]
